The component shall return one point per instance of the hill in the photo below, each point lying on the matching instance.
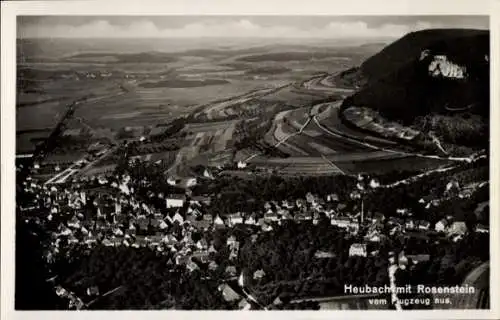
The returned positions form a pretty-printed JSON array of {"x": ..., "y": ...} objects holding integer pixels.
[
  {"x": 430, "y": 73},
  {"x": 462, "y": 44}
]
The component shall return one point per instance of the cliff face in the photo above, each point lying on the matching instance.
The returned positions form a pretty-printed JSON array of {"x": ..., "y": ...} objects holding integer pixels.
[{"x": 440, "y": 66}]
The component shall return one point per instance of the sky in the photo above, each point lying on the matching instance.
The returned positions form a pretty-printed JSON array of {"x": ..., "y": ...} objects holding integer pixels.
[{"x": 311, "y": 27}]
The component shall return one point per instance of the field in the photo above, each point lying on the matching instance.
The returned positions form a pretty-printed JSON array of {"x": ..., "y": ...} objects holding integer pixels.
[
  {"x": 372, "y": 162},
  {"x": 214, "y": 91}
]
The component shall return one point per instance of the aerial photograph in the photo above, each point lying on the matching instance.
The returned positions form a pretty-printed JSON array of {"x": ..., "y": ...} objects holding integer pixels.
[{"x": 203, "y": 162}]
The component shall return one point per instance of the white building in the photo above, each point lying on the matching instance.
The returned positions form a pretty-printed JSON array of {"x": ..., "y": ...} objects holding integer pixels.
[
  {"x": 458, "y": 228},
  {"x": 235, "y": 218},
  {"x": 218, "y": 221},
  {"x": 241, "y": 164},
  {"x": 177, "y": 217},
  {"x": 441, "y": 225},
  {"x": 357, "y": 249},
  {"x": 175, "y": 201},
  {"x": 481, "y": 228},
  {"x": 191, "y": 182}
]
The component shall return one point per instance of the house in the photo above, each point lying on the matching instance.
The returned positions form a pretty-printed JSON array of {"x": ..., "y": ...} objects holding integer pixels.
[
  {"x": 234, "y": 252},
  {"x": 456, "y": 237},
  {"x": 181, "y": 259},
  {"x": 140, "y": 242},
  {"x": 218, "y": 222},
  {"x": 177, "y": 217},
  {"x": 266, "y": 227},
  {"x": 201, "y": 200},
  {"x": 452, "y": 186},
  {"x": 175, "y": 201},
  {"x": 423, "y": 225},
  {"x": 201, "y": 224},
  {"x": 481, "y": 228},
  {"x": 213, "y": 266},
  {"x": 358, "y": 249},
  {"x": 118, "y": 232},
  {"x": 116, "y": 241},
  {"x": 300, "y": 203},
  {"x": 395, "y": 221},
  {"x": 202, "y": 244},
  {"x": 93, "y": 291},
  {"x": 202, "y": 255},
  {"x": 254, "y": 238},
  {"x": 458, "y": 228},
  {"x": 378, "y": 217},
  {"x": 373, "y": 237},
  {"x": 251, "y": 220},
  {"x": 244, "y": 305},
  {"x": 212, "y": 249},
  {"x": 74, "y": 223},
  {"x": 332, "y": 197},
  {"x": 89, "y": 240},
  {"x": 208, "y": 217},
  {"x": 231, "y": 241},
  {"x": 231, "y": 271},
  {"x": 286, "y": 215},
  {"x": 270, "y": 216},
  {"x": 66, "y": 232},
  {"x": 305, "y": 216},
  {"x": 72, "y": 240},
  {"x": 191, "y": 219},
  {"x": 191, "y": 266},
  {"x": 156, "y": 240},
  {"x": 143, "y": 223},
  {"x": 241, "y": 164},
  {"x": 324, "y": 255},
  {"x": 286, "y": 204},
  {"x": 162, "y": 225},
  {"x": 310, "y": 198},
  {"x": 228, "y": 293},
  {"x": 395, "y": 229},
  {"x": 341, "y": 222},
  {"x": 195, "y": 212},
  {"x": 353, "y": 226},
  {"x": 341, "y": 206},
  {"x": 268, "y": 205},
  {"x": 234, "y": 218},
  {"x": 402, "y": 212},
  {"x": 187, "y": 239},
  {"x": 169, "y": 240},
  {"x": 259, "y": 274},
  {"x": 417, "y": 258},
  {"x": 410, "y": 224},
  {"x": 441, "y": 225},
  {"x": 316, "y": 217},
  {"x": 107, "y": 243}
]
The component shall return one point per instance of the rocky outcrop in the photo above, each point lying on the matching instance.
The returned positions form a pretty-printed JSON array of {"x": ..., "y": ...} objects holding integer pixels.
[{"x": 441, "y": 66}]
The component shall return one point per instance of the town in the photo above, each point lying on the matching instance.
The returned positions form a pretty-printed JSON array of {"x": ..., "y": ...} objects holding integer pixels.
[
  {"x": 119, "y": 211},
  {"x": 200, "y": 174}
]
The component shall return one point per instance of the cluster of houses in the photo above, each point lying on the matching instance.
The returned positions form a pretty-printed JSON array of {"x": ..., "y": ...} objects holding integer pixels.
[{"x": 107, "y": 211}]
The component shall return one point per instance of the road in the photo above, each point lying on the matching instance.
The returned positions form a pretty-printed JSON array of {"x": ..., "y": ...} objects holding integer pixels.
[
  {"x": 279, "y": 118},
  {"x": 479, "y": 278},
  {"x": 248, "y": 296},
  {"x": 43, "y": 148},
  {"x": 76, "y": 168},
  {"x": 342, "y": 135},
  {"x": 323, "y": 83}
]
